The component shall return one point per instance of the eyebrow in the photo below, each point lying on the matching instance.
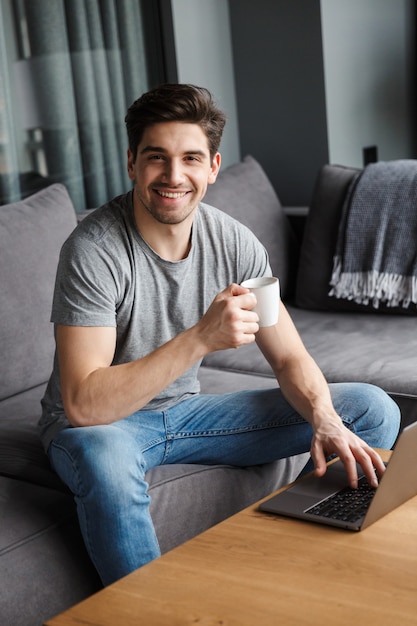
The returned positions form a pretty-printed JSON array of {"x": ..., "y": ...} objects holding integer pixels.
[{"x": 161, "y": 150}]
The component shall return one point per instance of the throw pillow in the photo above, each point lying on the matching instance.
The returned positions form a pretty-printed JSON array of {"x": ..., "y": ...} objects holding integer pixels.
[
  {"x": 319, "y": 245},
  {"x": 244, "y": 191}
]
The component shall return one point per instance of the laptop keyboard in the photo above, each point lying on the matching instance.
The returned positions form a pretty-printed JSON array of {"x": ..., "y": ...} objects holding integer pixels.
[{"x": 347, "y": 505}]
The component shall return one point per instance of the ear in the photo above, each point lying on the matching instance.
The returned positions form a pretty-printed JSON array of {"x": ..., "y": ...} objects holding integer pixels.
[
  {"x": 215, "y": 168},
  {"x": 130, "y": 164}
]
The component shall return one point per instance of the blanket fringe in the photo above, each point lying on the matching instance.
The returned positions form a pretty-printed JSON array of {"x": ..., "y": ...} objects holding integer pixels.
[{"x": 374, "y": 287}]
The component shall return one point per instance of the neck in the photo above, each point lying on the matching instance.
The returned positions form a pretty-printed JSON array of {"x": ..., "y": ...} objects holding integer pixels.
[
  {"x": 169, "y": 248},
  {"x": 171, "y": 242}
]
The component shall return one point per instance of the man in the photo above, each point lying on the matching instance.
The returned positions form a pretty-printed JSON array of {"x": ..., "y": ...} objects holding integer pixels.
[{"x": 146, "y": 287}]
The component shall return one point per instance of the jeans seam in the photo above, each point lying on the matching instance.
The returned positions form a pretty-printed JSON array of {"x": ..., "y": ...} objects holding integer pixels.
[
  {"x": 234, "y": 431},
  {"x": 168, "y": 438},
  {"x": 78, "y": 501}
]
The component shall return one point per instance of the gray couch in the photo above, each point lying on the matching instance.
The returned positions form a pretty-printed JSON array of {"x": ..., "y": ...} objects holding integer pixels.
[{"x": 44, "y": 567}]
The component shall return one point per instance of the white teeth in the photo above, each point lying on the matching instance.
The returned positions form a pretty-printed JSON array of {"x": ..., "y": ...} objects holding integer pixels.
[{"x": 168, "y": 194}]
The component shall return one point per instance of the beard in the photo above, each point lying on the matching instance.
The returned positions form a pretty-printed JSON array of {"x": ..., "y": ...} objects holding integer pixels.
[{"x": 166, "y": 215}]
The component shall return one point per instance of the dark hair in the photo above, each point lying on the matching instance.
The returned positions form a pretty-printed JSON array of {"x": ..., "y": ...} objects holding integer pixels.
[{"x": 175, "y": 103}]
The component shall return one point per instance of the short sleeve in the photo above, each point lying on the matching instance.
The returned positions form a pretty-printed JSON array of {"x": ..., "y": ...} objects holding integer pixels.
[{"x": 86, "y": 292}]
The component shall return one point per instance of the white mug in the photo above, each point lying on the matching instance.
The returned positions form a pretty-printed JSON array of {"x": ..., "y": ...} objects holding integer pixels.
[{"x": 266, "y": 290}]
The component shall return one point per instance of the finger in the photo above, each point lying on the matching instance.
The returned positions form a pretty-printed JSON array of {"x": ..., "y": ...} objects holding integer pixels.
[
  {"x": 319, "y": 459},
  {"x": 344, "y": 453},
  {"x": 236, "y": 290},
  {"x": 251, "y": 329},
  {"x": 370, "y": 461},
  {"x": 349, "y": 463},
  {"x": 247, "y": 301},
  {"x": 250, "y": 318},
  {"x": 377, "y": 462}
]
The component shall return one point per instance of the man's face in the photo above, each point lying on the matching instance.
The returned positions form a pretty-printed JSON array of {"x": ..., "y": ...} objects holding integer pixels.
[{"x": 171, "y": 171}]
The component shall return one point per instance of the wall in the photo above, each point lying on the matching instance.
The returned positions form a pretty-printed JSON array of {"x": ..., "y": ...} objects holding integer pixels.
[
  {"x": 304, "y": 82},
  {"x": 369, "y": 76},
  {"x": 204, "y": 57},
  {"x": 277, "y": 51}
]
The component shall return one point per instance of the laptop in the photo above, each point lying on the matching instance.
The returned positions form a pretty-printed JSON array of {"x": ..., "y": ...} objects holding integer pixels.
[{"x": 329, "y": 500}]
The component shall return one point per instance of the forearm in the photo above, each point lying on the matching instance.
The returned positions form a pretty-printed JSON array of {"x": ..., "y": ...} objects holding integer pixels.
[
  {"x": 313, "y": 401},
  {"x": 306, "y": 389},
  {"x": 298, "y": 375},
  {"x": 110, "y": 393},
  {"x": 96, "y": 392}
]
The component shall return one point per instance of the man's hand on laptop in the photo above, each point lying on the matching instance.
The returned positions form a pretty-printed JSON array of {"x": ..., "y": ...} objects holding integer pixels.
[{"x": 333, "y": 437}]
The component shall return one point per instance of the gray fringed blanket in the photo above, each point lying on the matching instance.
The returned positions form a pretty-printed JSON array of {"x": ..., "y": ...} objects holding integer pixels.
[{"x": 376, "y": 251}]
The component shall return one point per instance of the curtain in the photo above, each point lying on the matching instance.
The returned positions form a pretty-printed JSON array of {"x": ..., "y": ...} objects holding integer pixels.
[
  {"x": 86, "y": 64},
  {"x": 9, "y": 171}
]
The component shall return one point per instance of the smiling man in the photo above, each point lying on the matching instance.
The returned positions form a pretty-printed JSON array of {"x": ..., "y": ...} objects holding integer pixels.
[
  {"x": 171, "y": 172},
  {"x": 146, "y": 286}
]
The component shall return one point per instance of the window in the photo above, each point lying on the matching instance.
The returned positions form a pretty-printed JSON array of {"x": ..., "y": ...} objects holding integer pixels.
[{"x": 68, "y": 71}]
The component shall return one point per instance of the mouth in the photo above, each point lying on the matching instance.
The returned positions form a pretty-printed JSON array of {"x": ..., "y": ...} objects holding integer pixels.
[{"x": 173, "y": 195}]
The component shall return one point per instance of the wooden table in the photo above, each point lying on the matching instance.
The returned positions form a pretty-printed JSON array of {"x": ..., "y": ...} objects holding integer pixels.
[{"x": 260, "y": 569}]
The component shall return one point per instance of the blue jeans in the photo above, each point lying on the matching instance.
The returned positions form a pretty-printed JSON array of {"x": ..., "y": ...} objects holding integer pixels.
[{"x": 104, "y": 466}]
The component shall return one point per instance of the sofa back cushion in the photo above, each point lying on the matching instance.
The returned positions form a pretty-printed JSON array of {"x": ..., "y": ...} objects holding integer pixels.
[
  {"x": 320, "y": 236},
  {"x": 32, "y": 232},
  {"x": 244, "y": 191}
]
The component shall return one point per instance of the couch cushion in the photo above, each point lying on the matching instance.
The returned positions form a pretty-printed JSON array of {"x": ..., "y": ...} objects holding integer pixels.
[
  {"x": 188, "y": 499},
  {"x": 362, "y": 347},
  {"x": 244, "y": 191},
  {"x": 21, "y": 453},
  {"x": 248, "y": 360},
  {"x": 377, "y": 349},
  {"x": 365, "y": 347},
  {"x": 31, "y": 234},
  {"x": 44, "y": 565}
]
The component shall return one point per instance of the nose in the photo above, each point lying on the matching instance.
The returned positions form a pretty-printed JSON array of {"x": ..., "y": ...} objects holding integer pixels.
[{"x": 173, "y": 172}]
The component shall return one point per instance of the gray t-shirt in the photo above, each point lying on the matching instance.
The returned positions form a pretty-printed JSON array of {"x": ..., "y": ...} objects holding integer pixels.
[{"x": 109, "y": 276}]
